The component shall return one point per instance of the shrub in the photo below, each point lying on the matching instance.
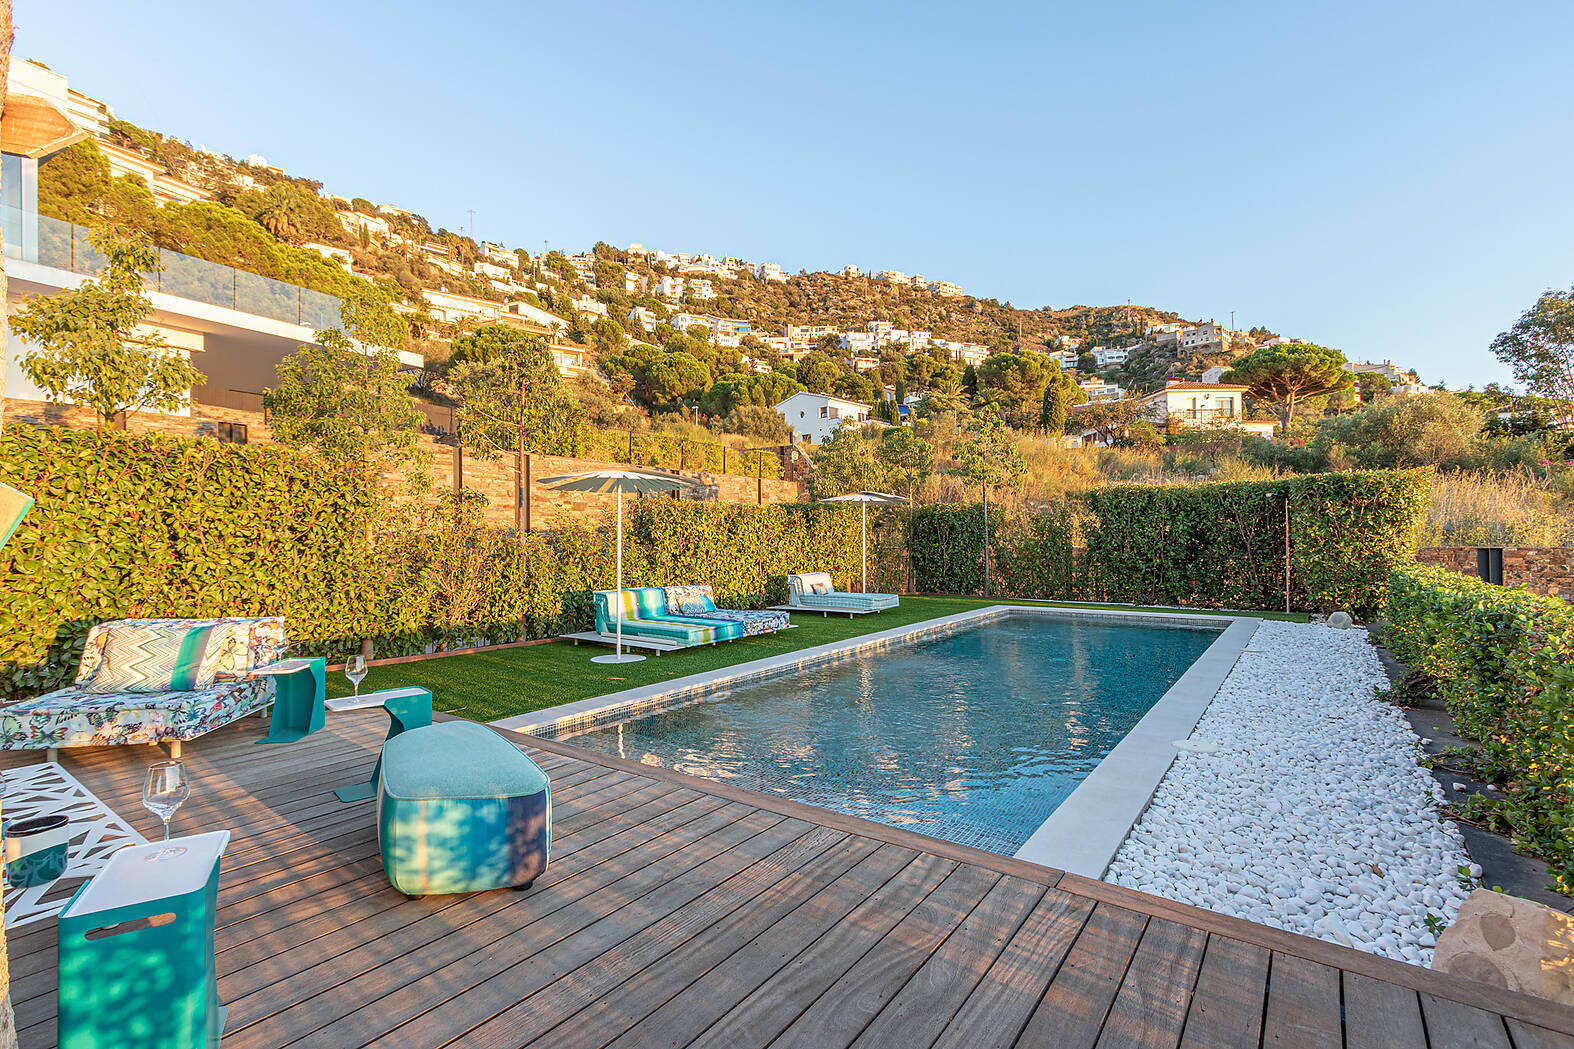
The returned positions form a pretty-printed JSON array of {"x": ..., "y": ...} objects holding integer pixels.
[
  {"x": 132, "y": 525},
  {"x": 1222, "y": 544},
  {"x": 1503, "y": 661}
]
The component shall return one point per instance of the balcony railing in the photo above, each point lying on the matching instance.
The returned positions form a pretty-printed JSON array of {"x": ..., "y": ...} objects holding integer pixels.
[{"x": 65, "y": 246}]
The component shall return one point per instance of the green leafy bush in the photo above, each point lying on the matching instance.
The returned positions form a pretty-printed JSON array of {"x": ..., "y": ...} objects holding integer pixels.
[
  {"x": 130, "y": 525},
  {"x": 1222, "y": 544},
  {"x": 1503, "y": 661}
]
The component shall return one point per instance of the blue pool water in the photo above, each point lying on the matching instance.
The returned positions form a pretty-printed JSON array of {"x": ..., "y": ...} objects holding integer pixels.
[{"x": 974, "y": 737}]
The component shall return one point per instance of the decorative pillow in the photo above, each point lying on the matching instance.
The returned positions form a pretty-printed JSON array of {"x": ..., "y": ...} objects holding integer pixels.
[
  {"x": 690, "y": 600},
  {"x": 229, "y": 653},
  {"x": 154, "y": 658},
  {"x": 819, "y": 588}
]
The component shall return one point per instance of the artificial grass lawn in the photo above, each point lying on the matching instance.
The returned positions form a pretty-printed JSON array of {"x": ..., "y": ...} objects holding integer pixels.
[{"x": 486, "y": 686}]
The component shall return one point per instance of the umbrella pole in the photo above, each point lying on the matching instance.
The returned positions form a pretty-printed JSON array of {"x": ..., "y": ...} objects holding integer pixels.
[
  {"x": 620, "y": 573},
  {"x": 864, "y": 546}
]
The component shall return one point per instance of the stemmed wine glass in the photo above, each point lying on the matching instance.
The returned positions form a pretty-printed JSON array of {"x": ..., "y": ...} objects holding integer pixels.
[
  {"x": 355, "y": 670},
  {"x": 166, "y": 788}
]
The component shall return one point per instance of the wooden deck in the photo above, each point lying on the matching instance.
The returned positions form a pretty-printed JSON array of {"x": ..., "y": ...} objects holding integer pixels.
[{"x": 678, "y": 912}]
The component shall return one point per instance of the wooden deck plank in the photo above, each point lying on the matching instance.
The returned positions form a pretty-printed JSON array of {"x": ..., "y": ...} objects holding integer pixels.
[
  {"x": 524, "y": 969},
  {"x": 690, "y": 1008},
  {"x": 1303, "y": 1005},
  {"x": 923, "y": 1008},
  {"x": 412, "y": 939},
  {"x": 550, "y": 1001},
  {"x": 1451, "y": 1025},
  {"x": 840, "y": 1015},
  {"x": 999, "y": 1008},
  {"x": 611, "y": 1010},
  {"x": 1073, "y": 1009},
  {"x": 1150, "y": 1008},
  {"x": 1528, "y": 1036},
  {"x": 793, "y": 987},
  {"x": 1379, "y": 1015},
  {"x": 677, "y": 910},
  {"x": 1227, "y": 1004}
]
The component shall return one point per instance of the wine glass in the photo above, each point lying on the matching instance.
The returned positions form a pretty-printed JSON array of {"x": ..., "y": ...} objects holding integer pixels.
[
  {"x": 355, "y": 670},
  {"x": 163, "y": 792}
]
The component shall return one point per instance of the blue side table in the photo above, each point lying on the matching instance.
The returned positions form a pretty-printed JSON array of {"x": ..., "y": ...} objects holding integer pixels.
[
  {"x": 407, "y": 708},
  {"x": 136, "y": 960},
  {"x": 298, "y": 687}
]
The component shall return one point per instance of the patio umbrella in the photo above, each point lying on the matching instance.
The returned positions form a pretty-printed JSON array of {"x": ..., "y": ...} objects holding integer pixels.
[
  {"x": 618, "y": 481},
  {"x": 864, "y": 499}
]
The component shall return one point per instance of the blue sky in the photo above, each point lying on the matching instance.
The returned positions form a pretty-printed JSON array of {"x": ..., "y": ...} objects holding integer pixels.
[{"x": 1388, "y": 179}]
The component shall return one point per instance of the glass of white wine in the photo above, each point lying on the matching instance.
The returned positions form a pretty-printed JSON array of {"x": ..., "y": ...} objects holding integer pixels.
[
  {"x": 164, "y": 791},
  {"x": 355, "y": 670}
]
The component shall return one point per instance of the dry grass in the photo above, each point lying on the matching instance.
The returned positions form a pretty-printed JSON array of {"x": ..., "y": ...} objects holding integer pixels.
[{"x": 1517, "y": 508}]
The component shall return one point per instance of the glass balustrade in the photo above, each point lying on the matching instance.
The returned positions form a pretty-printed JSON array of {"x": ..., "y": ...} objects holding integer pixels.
[{"x": 65, "y": 246}]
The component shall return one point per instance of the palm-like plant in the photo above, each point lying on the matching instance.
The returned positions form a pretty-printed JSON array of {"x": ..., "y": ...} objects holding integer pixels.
[{"x": 280, "y": 214}]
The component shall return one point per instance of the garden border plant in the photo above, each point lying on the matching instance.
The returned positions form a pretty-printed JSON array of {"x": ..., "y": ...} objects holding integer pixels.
[{"x": 1503, "y": 662}]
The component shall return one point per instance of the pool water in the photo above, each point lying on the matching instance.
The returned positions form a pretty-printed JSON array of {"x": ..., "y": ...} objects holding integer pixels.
[{"x": 974, "y": 736}]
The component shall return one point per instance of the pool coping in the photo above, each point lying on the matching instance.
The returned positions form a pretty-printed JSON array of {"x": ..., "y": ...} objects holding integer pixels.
[{"x": 1084, "y": 832}]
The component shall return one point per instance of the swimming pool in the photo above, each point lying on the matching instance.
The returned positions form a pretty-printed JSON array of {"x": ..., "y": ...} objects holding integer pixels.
[{"x": 974, "y": 736}]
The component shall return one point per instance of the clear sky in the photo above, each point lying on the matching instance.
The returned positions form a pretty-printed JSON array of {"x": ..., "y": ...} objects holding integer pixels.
[{"x": 1391, "y": 179}]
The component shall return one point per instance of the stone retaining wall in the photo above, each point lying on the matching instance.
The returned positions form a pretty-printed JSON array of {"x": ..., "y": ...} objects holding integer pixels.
[
  {"x": 494, "y": 480},
  {"x": 1547, "y": 570}
]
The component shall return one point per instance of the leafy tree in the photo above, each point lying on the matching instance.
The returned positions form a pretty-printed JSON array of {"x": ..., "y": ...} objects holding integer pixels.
[
  {"x": 732, "y": 392},
  {"x": 1539, "y": 348},
  {"x": 485, "y": 344},
  {"x": 86, "y": 347},
  {"x": 1425, "y": 429},
  {"x": 818, "y": 373},
  {"x": 1283, "y": 375},
  {"x": 908, "y": 459},
  {"x": 848, "y": 462},
  {"x": 988, "y": 457},
  {"x": 1014, "y": 383},
  {"x": 513, "y": 403},
  {"x": 1052, "y": 412},
  {"x": 346, "y": 397},
  {"x": 607, "y": 336},
  {"x": 759, "y": 424},
  {"x": 1112, "y": 422}
]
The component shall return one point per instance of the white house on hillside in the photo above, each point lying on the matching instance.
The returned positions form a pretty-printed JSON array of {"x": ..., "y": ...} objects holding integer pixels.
[
  {"x": 814, "y": 417},
  {"x": 1193, "y": 405}
]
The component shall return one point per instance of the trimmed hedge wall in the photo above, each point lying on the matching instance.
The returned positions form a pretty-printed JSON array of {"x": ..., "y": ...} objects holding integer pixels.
[
  {"x": 130, "y": 525},
  {"x": 1503, "y": 661},
  {"x": 1212, "y": 545},
  {"x": 133, "y": 525},
  {"x": 1222, "y": 544}
]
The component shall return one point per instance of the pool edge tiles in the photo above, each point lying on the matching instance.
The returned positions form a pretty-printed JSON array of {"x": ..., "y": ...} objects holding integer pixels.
[
  {"x": 1085, "y": 831},
  {"x": 568, "y": 719}
]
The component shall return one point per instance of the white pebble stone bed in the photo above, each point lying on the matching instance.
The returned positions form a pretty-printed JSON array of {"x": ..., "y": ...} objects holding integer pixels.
[{"x": 1313, "y": 815}]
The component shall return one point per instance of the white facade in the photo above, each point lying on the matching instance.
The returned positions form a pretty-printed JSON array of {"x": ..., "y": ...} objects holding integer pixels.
[
  {"x": 814, "y": 417},
  {"x": 851, "y": 271},
  {"x": 770, "y": 271},
  {"x": 1106, "y": 356},
  {"x": 1204, "y": 338}
]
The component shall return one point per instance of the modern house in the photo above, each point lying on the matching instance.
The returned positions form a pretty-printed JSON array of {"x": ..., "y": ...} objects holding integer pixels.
[
  {"x": 814, "y": 417},
  {"x": 1196, "y": 405},
  {"x": 1108, "y": 356},
  {"x": 233, "y": 325},
  {"x": 1204, "y": 338}
]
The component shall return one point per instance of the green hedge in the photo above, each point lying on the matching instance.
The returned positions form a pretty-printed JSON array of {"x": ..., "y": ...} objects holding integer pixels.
[
  {"x": 1033, "y": 552},
  {"x": 1222, "y": 544},
  {"x": 146, "y": 525},
  {"x": 1503, "y": 660}
]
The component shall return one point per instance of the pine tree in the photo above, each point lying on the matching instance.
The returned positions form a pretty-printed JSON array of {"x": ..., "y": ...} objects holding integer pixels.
[{"x": 1052, "y": 416}]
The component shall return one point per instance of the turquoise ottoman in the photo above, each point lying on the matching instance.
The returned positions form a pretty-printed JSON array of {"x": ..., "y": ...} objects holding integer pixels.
[{"x": 460, "y": 809}]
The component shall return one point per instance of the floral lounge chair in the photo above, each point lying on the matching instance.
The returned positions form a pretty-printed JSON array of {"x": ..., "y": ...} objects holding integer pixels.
[
  {"x": 136, "y": 696},
  {"x": 814, "y": 592},
  {"x": 682, "y": 615}
]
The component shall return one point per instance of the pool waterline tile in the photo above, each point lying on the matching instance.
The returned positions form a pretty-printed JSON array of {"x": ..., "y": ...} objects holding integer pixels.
[{"x": 1084, "y": 825}]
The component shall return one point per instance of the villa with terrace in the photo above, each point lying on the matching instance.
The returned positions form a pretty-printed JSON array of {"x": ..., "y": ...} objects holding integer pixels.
[{"x": 286, "y": 762}]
